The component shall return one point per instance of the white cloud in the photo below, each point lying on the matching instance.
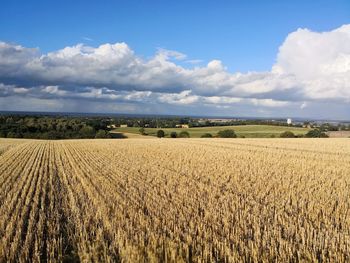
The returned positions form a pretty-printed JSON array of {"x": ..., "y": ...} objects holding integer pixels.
[
  {"x": 138, "y": 95},
  {"x": 320, "y": 62},
  {"x": 183, "y": 97},
  {"x": 167, "y": 54},
  {"x": 221, "y": 100},
  {"x": 310, "y": 66},
  {"x": 87, "y": 38},
  {"x": 194, "y": 61},
  {"x": 20, "y": 90},
  {"x": 54, "y": 90},
  {"x": 269, "y": 102}
]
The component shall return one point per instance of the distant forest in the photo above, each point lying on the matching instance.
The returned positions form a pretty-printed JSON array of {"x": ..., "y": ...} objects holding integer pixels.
[
  {"x": 50, "y": 127},
  {"x": 88, "y": 127}
]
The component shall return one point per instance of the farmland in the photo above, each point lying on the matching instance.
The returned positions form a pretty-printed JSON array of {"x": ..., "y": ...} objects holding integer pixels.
[
  {"x": 249, "y": 131},
  {"x": 166, "y": 200}
]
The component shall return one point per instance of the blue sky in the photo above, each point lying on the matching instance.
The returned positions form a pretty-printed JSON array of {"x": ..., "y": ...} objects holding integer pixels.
[{"x": 245, "y": 36}]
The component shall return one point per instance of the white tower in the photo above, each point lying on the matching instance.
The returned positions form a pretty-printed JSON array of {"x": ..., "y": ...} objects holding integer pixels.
[{"x": 289, "y": 121}]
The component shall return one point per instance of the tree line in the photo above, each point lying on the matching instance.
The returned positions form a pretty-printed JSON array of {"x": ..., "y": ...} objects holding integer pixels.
[
  {"x": 228, "y": 133},
  {"x": 69, "y": 127},
  {"x": 52, "y": 127},
  {"x": 315, "y": 133}
]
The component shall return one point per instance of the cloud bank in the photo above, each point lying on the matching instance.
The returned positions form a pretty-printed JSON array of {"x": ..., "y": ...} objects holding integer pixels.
[{"x": 311, "y": 68}]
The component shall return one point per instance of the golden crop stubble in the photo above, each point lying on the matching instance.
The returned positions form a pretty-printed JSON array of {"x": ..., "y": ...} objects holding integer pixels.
[{"x": 180, "y": 200}]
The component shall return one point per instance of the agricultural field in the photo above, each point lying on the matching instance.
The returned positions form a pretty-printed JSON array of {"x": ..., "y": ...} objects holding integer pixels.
[
  {"x": 248, "y": 131},
  {"x": 339, "y": 134},
  {"x": 6, "y": 144},
  {"x": 166, "y": 200}
]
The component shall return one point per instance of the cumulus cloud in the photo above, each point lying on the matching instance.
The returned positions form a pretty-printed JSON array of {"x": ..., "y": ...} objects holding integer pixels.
[
  {"x": 118, "y": 68},
  {"x": 320, "y": 62},
  {"x": 310, "y": 66}
]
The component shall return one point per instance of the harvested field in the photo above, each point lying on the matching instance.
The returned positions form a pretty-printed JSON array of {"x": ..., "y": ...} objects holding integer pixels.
[
  {"x": 175, "y": 200},
  {"x": 6, "y": 144}
]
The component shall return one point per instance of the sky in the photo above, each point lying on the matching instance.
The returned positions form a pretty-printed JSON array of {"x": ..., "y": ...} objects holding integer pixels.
[{"x": 218, "y": 58}]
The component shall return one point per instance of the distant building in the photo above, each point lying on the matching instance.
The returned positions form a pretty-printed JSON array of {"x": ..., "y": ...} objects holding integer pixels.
[
  {"x": 185, "y": 126},
  {"x": 289, "y": 121},
  {"x": 123, "y": 125}
]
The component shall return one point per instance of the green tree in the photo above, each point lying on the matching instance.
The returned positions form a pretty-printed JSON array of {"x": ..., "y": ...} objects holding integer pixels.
[
  {"x": 50, "y": 135},
  {"x": 87, "y": 132},
  {"x": 142, "y": 131},
  {"x": 316, "y": 133},
  {"x": 160, "y": 133},
  {"x": 227, "y": 134},
  {"x": 287, "y": 134},
  {"x": 102, "y": 134},
  {"x": 2, "y": 134},
  {"x": 173, "y": 135},
  {"x": 14, "y": 135},
  {"x": 184, "y": 134},
  {"x": 206, "y": 135}
]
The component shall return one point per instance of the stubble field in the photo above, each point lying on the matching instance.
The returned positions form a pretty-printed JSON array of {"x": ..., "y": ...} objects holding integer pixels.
[{"x": 175, "y": 200}]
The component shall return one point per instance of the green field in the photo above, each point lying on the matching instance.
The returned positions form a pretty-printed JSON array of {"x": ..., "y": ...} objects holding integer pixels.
[{"x": 249, "y": 131}]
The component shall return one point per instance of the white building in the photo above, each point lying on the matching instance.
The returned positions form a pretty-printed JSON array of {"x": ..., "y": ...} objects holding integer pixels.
[{"x": 289, "y": 121}]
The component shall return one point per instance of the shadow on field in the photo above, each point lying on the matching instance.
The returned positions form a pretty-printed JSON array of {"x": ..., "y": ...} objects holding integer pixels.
[{"x": 118, "y": 135}]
